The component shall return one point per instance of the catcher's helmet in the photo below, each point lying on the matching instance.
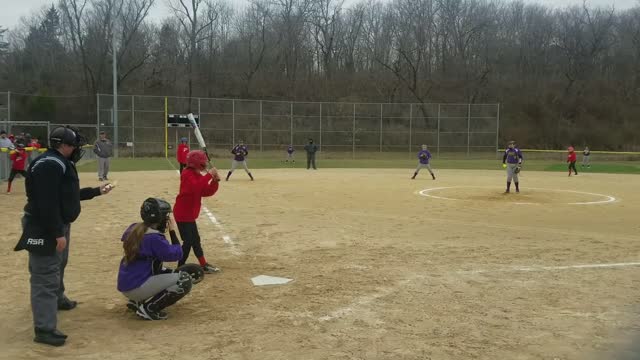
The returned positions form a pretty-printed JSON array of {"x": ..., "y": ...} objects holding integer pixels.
[
  {"x": 194, "y": 270},
  {"x": 197, "y": 159},
  {"x": 155, "y": 211}
]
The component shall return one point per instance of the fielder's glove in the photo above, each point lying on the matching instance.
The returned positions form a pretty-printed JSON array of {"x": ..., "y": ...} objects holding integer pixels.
[{"x": 517, "y": 169}]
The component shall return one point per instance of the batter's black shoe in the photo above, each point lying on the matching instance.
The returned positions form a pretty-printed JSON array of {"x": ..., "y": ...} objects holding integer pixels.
[
  {"x": 210, "y": 269},
  {"x": 53, "y": 338}
]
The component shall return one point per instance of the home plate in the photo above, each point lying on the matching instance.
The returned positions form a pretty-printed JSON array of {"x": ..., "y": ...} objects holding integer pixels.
[{"x": 262, "y": 280}]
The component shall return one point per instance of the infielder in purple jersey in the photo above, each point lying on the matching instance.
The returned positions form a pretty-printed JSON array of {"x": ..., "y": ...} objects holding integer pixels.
[
  {"x": 424, "y": 156},
  {"x": 240, "y": 151},
  {"x": 512, "y": 161},
  {"x": 290, "y": 151}
]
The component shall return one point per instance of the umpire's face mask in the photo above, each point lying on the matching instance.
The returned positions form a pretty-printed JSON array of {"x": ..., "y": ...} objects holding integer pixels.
[{"x": 78, "y": 152}]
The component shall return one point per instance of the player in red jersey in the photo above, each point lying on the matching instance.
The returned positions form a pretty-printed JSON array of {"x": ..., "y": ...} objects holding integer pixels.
[
  {"x": 181, "y": 154},
  {"x": 19, "y": 159},
  {"x": 571, "y": 159},
  {"x": 193, "y": 187}
]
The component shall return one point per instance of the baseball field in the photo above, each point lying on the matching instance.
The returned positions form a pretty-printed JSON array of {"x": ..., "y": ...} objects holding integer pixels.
[{"x": 383, "y": 267}]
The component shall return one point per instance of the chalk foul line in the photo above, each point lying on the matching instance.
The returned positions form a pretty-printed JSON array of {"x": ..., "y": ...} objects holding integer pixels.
[{"x": 552, "y": 268}]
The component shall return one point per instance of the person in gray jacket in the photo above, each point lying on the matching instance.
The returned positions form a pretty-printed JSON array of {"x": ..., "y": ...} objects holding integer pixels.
[
  {"x": 311, "y": 150},
  {"x": 103, "y": 148}
]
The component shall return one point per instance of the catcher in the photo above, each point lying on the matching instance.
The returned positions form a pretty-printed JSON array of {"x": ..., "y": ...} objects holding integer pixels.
[
  {"x": 512, "y": 161},
  {"x": 149, "y": 287}
]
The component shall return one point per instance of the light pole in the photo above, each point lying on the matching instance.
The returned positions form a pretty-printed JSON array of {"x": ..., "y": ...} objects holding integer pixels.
[{"x": 115, "y": 84}]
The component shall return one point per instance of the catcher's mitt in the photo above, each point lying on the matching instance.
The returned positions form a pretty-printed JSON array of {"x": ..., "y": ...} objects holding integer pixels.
[
  {"x": 517, "y": 169},
  {"x": 194, "y": 270}
]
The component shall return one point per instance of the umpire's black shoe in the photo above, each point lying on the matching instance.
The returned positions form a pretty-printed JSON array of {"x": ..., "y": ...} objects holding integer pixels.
[
  {"x": 53, "y": 338},
  {"x": 67, "y": 304}
]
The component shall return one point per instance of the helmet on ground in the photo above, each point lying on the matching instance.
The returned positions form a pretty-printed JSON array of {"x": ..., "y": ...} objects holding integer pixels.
[
  {"x": 197, "y": 159},
  {"x": 155, "y": 211}
]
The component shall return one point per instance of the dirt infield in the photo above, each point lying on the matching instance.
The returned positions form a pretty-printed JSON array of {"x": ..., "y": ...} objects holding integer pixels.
[{"x": 382, "y": 269}]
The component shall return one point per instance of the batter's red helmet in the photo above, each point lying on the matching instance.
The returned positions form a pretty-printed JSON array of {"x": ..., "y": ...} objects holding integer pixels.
[{"x": 197, "y": 159}]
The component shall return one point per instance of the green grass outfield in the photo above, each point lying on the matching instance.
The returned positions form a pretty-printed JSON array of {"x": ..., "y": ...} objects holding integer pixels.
[{"x": 147, "y": 164}]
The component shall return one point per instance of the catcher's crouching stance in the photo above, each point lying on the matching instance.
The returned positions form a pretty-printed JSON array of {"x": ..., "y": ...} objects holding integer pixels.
[
  {"x": 149, "y": 287},
  {"x": 512, "y": 161}
]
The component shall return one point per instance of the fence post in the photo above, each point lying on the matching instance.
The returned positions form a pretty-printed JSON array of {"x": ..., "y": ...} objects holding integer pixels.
[
  {"x": 97, "y": 115},
  {"x": 410, "y": 124},
  {"x": 133, "y": 126},
  {"x": 233, "y": 122},
  {"x": 380, "y": 127},
  {"x": 199, "y": 125},
  {"x": 468, "y": 128},
  {"x": 9, "y": 112},
  {"x": 291, "y": 123},
  {"x": 261, "y": 148},
  {"x": 353, "y": 133},
  {"x": 438, "y": 139},
  {"x": 498, "y": 131},
  {"x": 320, "y": 141}
]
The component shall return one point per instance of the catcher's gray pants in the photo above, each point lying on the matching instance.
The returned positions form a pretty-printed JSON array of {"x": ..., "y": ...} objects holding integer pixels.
[
  {"x": 586, "y": 160},
  {"x": 47, "y": 286},
  {"x": 103, "y": 167},
  {"x": 511, "y": 173},
  {"x": 424, "y": 166},
  {"x": 153, "y": 286},
  {"x": 235, "y": 164}
]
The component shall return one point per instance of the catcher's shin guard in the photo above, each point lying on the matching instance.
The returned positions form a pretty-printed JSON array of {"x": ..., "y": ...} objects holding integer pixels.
[{"x": 170, "y": 295}]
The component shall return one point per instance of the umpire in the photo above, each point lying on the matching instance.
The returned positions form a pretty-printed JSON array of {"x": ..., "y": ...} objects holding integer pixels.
[
  {"x": 53, "y": 203},
  {"x": 311, "y": 150}
]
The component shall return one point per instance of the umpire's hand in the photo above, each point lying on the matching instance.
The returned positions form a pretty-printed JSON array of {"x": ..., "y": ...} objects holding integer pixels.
[{"x": 62, "y": 243}]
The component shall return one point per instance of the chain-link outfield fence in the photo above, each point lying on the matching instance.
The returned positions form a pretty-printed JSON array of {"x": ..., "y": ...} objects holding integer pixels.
[{"x": 353, "y": 130}]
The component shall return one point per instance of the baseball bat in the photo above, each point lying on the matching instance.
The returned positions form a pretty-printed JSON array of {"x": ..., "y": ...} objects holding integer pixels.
[{"x": 196, "y": 130}]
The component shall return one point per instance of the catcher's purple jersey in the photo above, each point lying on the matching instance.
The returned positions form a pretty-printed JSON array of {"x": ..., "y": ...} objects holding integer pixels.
[
  {"x": 240, "y": 151},
  {"x": 424, "y": 156}
]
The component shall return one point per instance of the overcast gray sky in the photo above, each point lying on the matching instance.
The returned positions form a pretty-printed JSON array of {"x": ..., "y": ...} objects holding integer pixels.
[{"x": 12, "y": 10}]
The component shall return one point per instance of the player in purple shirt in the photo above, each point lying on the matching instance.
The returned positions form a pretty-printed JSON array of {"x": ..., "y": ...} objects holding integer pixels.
[
  {"x": 423, "y": 162},
  {"x": 240, "y": 151},
  {"x": 512, "y": 161},
  {"x": 290, "y": 151},
  {"x": 142, "y": 279}
]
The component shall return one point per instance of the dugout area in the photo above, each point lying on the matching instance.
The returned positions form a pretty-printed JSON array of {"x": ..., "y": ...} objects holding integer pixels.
[{"x": 381, "y": 272}]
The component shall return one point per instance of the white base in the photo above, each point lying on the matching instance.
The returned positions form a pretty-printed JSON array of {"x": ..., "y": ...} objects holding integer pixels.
[{"x": 263, "y": 280}]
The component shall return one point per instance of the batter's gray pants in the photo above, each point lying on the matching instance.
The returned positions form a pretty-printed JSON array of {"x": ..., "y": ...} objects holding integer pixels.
[
  {"x": 103, "y": 167},
  {"x": 153, "y": 286},
  {"x": 235, "y": 164},
  {"x": 511, "y": 174},
  {"x": 47, "y": 286},
  {"x": 424, "y": 166}
]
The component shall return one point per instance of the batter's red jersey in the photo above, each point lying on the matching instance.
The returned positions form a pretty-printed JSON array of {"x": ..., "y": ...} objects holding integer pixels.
[
  {"x": 193, "y": 187},
  {"x": 19, "y": 158},
  {"x": 35, "y": 145},
  {"x": 572, "y": 157},
  {"x": 181, "y": 154}
]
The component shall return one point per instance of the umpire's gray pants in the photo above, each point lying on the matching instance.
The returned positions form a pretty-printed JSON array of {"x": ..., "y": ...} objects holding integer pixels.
[
  {"x": 103, "y": 167},
  {"x": 235, "y": 164},
  {"x": 153, "y": 286},
  {"x": 47, "y": 286},
  {"x": 511, "y": 174}
]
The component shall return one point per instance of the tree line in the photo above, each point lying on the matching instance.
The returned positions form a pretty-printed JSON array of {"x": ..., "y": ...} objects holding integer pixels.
[{"x": 563, "y": 76}]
